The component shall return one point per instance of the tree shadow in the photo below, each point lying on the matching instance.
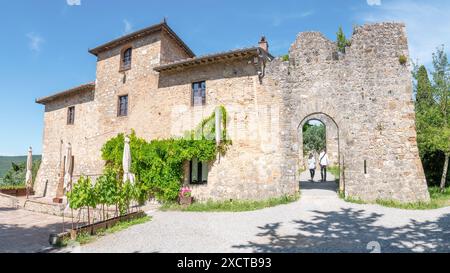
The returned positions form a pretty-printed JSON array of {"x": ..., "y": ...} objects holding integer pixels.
[
  {"x": 353, "y": 231},
  {"x": 17, "y": 238}
]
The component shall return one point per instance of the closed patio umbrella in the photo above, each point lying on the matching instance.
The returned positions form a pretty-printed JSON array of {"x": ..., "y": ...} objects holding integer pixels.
[
  {"x": 68, "y": 168},
  {"x": 29, "y": 175},
  {"x": 126, "y": 162}
]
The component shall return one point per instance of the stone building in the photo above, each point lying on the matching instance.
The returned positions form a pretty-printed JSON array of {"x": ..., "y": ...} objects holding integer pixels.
[{"x": 150, "y": 81}]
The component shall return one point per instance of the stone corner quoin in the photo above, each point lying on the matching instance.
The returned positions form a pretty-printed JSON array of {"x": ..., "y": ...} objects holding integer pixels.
[{"x": 364, "y": 97}]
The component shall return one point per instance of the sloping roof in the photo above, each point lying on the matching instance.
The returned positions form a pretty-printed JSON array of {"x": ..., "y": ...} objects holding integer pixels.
[
  {"x": 72, "y": 91},
  {"x": 211, "y": 58},
  {"x": 142, "y": 33}
]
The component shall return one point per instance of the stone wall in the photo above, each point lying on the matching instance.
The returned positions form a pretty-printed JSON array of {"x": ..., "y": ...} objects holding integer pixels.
[
  {"x": 57, "y": 134},
  {"x": 364, "y": 97},
  {"x": 368, "y": 93},
  {"x": 251, "y": 167}
]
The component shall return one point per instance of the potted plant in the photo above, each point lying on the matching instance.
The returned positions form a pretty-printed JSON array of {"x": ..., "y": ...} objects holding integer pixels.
[{"x": 185, "y": 197}]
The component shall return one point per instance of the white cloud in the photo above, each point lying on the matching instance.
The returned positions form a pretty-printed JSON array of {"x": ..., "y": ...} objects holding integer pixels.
[
  {"x": 35, "y": 42},
  {"x": 128, "y": 27},
  {"x": 426, "y": 24},
  {"x": 73, "y": 2},
  {"x": 374, "y": 2}
]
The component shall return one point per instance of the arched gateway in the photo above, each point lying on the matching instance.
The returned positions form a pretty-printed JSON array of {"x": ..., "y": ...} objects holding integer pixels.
[{"x": 364, "y": 94}]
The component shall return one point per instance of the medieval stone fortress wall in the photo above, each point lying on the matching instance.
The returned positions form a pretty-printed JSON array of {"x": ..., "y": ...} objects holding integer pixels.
[{"x": 363, "y": 96}]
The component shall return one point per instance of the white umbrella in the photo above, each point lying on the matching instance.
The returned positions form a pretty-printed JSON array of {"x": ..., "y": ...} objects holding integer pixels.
[
  {"x": 29, "y": 175},
  {"x": 67, "y": 168},
  {"x": 127, "y": 175}
]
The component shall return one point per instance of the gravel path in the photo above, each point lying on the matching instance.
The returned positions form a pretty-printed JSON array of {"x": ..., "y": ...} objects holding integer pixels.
[
  {"x": 319, "y": 222},
  {"x": 26, "y": 232}
]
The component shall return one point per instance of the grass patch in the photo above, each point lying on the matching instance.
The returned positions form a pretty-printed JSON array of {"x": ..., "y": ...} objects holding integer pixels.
[
  {"x": 232, "y": 206},
  {"x": 438, "y": 200},
  {"x": 13, "y": 187},
  {"x": 351, "y": 199},
  {"x": 335, "y": 171},
  {"x": 85, "y": 238}
]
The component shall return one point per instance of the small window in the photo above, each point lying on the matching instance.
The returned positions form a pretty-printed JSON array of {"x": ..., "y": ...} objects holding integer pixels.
[
  {"x": 126, "y": 59},
  {"x": 122, "y": 110},
  {"x": 71, "y": 115},
  {"x": 198, "y": 172},
  {"x": 199, "y": 93}
]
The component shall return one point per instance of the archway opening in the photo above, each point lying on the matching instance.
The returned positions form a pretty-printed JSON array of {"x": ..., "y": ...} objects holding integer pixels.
[{"x": 319, "y": 133}]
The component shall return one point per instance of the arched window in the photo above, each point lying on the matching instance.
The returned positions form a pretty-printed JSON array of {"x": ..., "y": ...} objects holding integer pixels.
[{"x": 126, "y": 58}]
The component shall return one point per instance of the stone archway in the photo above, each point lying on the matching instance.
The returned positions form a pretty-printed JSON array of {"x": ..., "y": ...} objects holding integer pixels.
[{"x": 332, "y": 141}]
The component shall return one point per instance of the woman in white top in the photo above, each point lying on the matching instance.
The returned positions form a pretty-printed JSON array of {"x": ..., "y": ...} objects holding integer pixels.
[{"x": 312, "y": 166}]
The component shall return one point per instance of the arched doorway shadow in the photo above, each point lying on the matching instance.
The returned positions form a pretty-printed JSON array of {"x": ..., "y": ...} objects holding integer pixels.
[
  {"x": 307, "y": 187},
  {"x": 333, "y": 183}
]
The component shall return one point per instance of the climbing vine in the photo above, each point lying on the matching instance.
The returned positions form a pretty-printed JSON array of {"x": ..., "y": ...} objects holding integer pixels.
[{"x": 158, "y": 164}]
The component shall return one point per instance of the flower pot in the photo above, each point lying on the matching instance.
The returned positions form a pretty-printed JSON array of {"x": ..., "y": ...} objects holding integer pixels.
[{"x": 186, "y": 201}]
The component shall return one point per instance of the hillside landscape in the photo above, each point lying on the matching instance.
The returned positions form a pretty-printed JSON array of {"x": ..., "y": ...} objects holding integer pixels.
[{"x": 6, "y": 161}]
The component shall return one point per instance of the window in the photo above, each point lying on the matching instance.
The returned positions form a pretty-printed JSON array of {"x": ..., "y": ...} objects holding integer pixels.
[
  {"x": 199, "y": 93},
  {"x": 122, "y": 110},
  {"x": 126, "y": 59},
  {"x": 71, "y": 115},
  {"x": 198, "y": 172}
]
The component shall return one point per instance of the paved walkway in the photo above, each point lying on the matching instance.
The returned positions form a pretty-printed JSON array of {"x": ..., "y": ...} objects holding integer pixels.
[
  {"x": 26, "y": 232},
  {"x": 319, "y": 222}
]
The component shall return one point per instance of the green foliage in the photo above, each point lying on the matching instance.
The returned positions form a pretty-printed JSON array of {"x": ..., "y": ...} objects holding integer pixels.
[
  {"x": 285, "y": 58},
  {"x": 314, "y": 138},
  {"x": 158, "y": 165},
  {"x": 5, "y": 162},
  {"x": 82, "y": 194},
  {"x": 335, "y": 171},
  {"x": 232, "y": 206},
  {"x": 9, "y": 187},
  {"x": 17, "y": 173},
  {"x": 402, "y": 59},
  {"x": 424, "y": 90},
  {"x": 107, "y": 189},
  {"x": 433, "y": 114},
  {"x": 341, "y": 40},
  {"x": 439, "y": 199}
]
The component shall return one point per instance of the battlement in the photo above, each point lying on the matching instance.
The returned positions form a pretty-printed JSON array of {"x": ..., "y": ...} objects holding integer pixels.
[{"x": 385, "y": 41}]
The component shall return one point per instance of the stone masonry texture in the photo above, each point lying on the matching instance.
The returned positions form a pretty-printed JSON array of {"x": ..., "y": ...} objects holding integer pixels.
[{"x": 364, "y": 97}]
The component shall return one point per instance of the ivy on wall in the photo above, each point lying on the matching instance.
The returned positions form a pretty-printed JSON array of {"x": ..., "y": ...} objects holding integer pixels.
[{"x": 158, "y": 164}]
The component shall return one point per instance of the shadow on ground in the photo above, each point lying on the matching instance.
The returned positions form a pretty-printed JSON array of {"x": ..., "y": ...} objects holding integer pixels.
[
  {"x": 350, "y": 230},
  {"x": 25, "y": 239}
]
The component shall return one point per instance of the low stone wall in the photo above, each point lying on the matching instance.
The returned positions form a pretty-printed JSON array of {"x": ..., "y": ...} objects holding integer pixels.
[{"x": 7, "y": 201}]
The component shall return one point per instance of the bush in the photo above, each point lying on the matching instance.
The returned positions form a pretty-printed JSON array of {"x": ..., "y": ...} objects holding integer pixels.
[
  {"x": 285, "y": 58},
  {"x": 342, "y": 41},
  {"x": 17, "y": 173},
  {"x": 403, "y": 59}
]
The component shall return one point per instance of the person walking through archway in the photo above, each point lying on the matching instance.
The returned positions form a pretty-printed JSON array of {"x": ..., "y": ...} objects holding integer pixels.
[
  {"x": 312, "y": 166},
  {"x": 324, "y": 161}
]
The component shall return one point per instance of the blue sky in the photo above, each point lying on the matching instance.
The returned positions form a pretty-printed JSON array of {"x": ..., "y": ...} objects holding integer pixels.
[{"x": 44, "y": 43}]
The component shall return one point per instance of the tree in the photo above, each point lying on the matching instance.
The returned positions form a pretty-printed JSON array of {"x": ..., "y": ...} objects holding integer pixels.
[
  {"x": 424, "y": 90},
  {"x": 441, "y": 79},
  {"x": 432, "y": 116},
  {"x": 341, "y": 40},
  {"x": 314, "y": 138},
  {"x": 16, "y": 174}
]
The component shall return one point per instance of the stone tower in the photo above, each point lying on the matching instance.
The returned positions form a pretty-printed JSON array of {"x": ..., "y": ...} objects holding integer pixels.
[{"x": 365, "y": 95}]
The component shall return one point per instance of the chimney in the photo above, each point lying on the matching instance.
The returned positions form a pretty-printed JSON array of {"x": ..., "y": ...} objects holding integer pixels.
[{"x": 264, "y": 44}]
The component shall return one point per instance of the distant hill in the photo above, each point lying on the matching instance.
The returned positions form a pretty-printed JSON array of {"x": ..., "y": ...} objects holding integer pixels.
[{"x": 5, "y": 162}]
